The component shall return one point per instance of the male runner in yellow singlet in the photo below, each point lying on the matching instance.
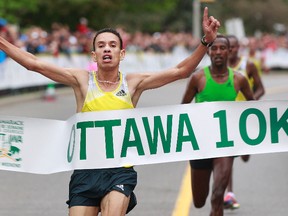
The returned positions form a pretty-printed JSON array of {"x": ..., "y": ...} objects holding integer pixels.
[
  {"x": 243, "y": 65},
  {"x": 109, "y": 190},
  {"x": 248, "y": 68},
  {"x": 216, "y": 82},
  {"x": 256, "y": 56}
]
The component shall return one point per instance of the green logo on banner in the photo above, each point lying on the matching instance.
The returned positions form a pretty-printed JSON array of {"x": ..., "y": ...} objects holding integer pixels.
[{"x": 11, "y": 138}]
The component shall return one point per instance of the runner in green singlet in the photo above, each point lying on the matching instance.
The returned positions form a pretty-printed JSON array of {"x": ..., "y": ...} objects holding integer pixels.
[{"x": 216, "y": 82}]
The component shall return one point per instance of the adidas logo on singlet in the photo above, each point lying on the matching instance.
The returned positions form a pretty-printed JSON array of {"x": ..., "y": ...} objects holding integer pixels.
[
  {"x": 121, "y": 93},
  {"x": 229, "y": 84}
]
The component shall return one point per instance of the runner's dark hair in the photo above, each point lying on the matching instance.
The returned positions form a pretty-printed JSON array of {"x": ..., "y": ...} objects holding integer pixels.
[
  {"x": 111, "y": 30},
  {"x": 225, "y": 37}
]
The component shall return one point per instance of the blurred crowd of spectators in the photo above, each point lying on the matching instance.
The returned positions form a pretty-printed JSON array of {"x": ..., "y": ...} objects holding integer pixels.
[{"x": 60, "y": 39}]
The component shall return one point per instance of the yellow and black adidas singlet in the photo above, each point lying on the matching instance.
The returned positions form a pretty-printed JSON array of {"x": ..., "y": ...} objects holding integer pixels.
[
  {"x": 241, "y": 67},
  {"x": 257, "y": 63},
  {"x": 98, "y": 100}
]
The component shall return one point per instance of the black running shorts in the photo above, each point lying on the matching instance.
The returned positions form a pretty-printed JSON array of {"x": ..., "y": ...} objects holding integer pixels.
[
  {"x": 202, "y": 164},
  {"x": 88, "y": 187}
]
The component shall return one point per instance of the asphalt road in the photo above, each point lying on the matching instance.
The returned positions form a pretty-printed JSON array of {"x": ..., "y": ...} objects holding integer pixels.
[{"x": 261, "y": 185}]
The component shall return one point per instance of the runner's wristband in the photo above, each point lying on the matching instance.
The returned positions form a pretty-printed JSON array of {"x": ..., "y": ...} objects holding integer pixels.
[{"x": 205, "y": 43}]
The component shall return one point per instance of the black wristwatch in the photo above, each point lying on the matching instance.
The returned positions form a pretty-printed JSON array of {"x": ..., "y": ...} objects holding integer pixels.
[{"x": 205, "y": 43}]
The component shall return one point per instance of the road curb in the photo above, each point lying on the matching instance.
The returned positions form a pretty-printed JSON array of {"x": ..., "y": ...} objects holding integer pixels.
[{"x": 13, "y": 99}]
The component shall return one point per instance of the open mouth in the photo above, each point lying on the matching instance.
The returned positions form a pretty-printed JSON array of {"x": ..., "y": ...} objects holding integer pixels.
[
  {"x": 218, "y": 58},
  {"x": 107, "y": 57}
]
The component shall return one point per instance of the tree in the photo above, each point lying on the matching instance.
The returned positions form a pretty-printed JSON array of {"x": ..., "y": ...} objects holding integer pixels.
[
  {"x": 145, "y": 15},
  {"x": 180, "y": 18},
  {"x": 13, "y": 10},
  {"x": 257, "y": 14}
]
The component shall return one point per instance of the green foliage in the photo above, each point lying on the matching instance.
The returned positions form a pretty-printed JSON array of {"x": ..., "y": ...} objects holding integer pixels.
[
  {"x": 13, "y": 10},
  {"x": 257, "y": 14},
  {"x": 180, "y": 18},
  {"x": 144, "y": 15}
]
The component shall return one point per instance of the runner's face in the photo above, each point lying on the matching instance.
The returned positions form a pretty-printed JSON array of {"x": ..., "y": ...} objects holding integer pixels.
[
  {"x": 107, "y": 50},
  {"x": 219, "y": 51},
  {"x": 234, "y": 47}
]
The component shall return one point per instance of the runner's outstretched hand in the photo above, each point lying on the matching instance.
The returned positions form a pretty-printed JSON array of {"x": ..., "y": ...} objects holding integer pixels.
[{"x": 210, "y": 26}]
